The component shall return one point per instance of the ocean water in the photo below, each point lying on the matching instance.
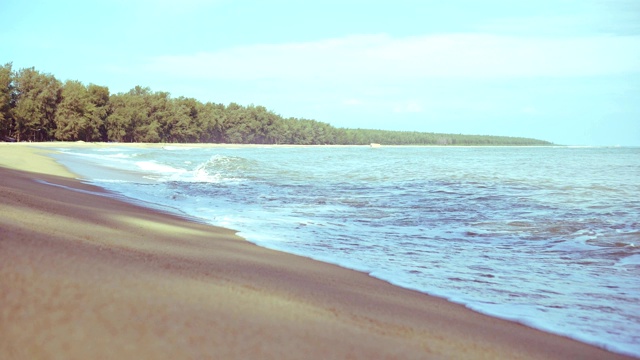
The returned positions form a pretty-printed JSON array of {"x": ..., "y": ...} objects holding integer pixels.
[{"x": 546, "y": 236}]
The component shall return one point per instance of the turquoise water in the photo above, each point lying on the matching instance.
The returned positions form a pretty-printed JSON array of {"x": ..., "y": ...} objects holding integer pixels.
[{"x": 549, "y": 237}]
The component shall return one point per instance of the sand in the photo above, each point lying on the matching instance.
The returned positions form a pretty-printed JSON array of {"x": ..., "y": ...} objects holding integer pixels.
[{"x": 86, "y": 276}]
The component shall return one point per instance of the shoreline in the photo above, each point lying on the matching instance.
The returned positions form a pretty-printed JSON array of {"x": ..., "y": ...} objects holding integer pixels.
[
  {"x": 53, "y": 144},
  {"x": 46, "y": 144},
  {"x": 161, "y": 286}
]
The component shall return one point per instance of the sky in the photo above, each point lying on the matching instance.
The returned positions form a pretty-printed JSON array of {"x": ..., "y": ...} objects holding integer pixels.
[{"x": 565, "y": 71}]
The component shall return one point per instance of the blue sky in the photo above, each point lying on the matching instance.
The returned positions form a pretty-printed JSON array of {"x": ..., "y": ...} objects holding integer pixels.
[{"x": 567, "y": 71}]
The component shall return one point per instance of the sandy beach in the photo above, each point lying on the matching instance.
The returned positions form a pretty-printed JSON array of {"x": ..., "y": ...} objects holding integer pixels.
[{"x": 84, "y": 275}]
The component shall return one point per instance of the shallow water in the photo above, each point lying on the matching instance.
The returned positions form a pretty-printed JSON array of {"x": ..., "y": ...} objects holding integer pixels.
[{"x": 546, "y": 236}]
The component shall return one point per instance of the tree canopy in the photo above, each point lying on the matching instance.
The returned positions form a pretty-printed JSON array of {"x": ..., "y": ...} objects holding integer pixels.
[{"x": 36, "y": 106}]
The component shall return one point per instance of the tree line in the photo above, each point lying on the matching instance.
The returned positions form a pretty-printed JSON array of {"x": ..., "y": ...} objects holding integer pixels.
[{"x": 35, "y": 106}]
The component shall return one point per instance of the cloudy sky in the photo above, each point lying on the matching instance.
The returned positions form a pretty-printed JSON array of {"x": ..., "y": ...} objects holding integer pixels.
[{"x": 567, "y": 71}]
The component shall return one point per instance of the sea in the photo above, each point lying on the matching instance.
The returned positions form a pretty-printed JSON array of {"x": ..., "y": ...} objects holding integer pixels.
[{"x": 545, "y": 236}]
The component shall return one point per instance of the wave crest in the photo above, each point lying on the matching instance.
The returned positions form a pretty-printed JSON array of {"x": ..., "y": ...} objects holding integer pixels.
[{"x": 222, "y": 168}]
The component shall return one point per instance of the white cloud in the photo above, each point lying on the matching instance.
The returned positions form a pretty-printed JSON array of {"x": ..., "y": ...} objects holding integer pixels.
[{"x": 381, "y": 57}]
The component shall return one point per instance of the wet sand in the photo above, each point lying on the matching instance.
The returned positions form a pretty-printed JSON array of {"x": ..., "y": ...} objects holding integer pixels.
[{"x": 84, "y": 275}]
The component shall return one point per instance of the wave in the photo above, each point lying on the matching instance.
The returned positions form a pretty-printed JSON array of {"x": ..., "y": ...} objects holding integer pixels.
[
  {"x": 156, "y": 167},
  {"x": 216, "y": 169}
]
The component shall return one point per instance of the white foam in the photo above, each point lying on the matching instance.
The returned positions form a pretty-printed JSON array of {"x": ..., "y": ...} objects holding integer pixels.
[
  {"x": 630, "y": 260},
  {"x": 158, "y": 168},
  {"x": 120, "y": 155}
]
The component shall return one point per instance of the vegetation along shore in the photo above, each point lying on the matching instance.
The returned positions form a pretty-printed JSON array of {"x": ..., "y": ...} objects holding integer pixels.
[{"x": 35, "y": 106}]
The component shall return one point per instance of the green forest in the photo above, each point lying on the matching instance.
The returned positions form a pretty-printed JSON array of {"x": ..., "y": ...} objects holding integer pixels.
[{"x": 35, "y": 106}]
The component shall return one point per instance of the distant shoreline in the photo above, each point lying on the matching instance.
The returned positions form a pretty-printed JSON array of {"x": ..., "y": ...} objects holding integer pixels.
[
  {"x": 163, "y": 144},
  {"x": 70, "y": 111}
]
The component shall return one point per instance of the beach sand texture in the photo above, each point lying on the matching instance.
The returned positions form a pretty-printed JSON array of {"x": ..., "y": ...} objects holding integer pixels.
[{"x": 86, "y": 276}]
